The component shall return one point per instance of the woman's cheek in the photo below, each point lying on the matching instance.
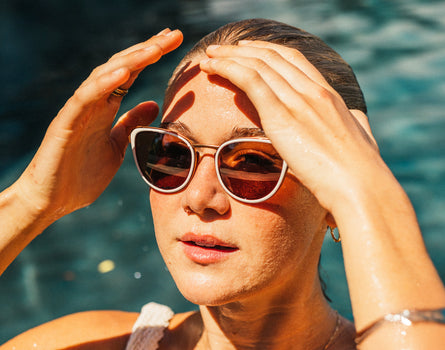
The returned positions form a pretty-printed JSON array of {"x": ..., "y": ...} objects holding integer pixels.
[{"x": 164, "y": 207}]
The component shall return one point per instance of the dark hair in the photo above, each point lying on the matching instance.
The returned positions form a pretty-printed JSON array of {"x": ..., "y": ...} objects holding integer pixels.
[{"x": 330, "y": 64}]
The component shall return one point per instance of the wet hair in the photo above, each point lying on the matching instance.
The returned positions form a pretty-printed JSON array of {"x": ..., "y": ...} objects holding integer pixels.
[{"x": 330, "y": 64}]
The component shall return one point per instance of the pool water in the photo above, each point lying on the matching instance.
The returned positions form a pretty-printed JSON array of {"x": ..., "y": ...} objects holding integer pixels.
[{"x": 105, "y": 256}]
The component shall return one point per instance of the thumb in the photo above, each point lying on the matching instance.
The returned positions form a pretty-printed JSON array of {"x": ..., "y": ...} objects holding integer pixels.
[{"x": 141, "y": 115}]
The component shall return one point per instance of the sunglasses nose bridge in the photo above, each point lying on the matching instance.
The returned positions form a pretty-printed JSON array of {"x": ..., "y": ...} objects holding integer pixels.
[
  {"x": 198, "y": 149},
  {"x": 199, "y": 154},
  {"x": 199, "y": 145}
]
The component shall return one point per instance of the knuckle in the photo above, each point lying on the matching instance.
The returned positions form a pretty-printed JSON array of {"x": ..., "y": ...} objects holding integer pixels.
[
  {"x": 253, "y": 77},
  {"x": 271, "y": 55},
  {"x": 224, "y": 64},
  {"x": 260, "y": 64},
  {"x": 155, "y": 48},
  {"x": 81, "y": 97},
  {"x": 78, "y": 96},
  {"x": 96, "y": 71},
  {"x": 116, "y": 55},
  {"x": 322, "y": 93}
]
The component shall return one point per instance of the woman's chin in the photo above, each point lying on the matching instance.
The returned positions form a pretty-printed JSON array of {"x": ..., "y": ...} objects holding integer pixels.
[
  {"x": 205, "y": 290},
  {"x": 207, "y": 298}
]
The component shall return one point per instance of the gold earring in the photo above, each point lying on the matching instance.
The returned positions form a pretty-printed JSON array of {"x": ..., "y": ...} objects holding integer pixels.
[{"x": 336, "y": 239}]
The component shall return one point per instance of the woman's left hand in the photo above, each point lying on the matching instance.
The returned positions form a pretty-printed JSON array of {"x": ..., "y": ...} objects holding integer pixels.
[{"x": 304, "y": 117}]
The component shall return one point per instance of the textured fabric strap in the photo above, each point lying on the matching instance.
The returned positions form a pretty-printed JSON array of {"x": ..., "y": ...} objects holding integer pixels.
[{"x": 149, "y": 327}]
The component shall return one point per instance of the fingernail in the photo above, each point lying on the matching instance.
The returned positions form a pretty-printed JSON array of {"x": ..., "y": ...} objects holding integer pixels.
[
  {"x": 173, "y": 32},
  {"x": 243, "y": 42},
  {"x": 213, "y": 47},
  {"x": 205, "y": 61}
]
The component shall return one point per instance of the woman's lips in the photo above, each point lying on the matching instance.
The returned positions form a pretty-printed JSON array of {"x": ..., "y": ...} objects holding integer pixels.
[{"x": 206, "y": 249}]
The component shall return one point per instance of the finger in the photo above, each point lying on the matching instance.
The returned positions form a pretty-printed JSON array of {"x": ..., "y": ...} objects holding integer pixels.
[
  {"x": 137, "y": 60},
  {"x": 141, "y": 115},
  {"x": 104, "y": 79},
  {"x": 140, "y": 45},
  {"x": 296, "y": 77},
  {"x": 296, "y": 102},
  {"x": 267, "y": 62},
  {"x": 89, "y": 94},
  {"x": 134, "y": 62},
  {"x": 101, "y": 87},
  {"x": 143, "y": 54},
  {"x": 293, "y": 56},
  {"x": 264, "y": 98}
]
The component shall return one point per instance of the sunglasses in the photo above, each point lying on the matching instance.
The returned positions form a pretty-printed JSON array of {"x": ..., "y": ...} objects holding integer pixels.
[{"x": 249, "y": 169}]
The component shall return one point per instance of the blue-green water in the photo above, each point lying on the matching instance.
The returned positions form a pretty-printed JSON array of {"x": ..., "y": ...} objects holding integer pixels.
[{"x": 397, "y": 49}]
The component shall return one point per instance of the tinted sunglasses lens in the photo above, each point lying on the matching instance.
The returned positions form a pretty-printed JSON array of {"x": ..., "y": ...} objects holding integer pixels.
[
  {"x": 164, "y": 159},
  {"x": 250, "y": 170}
]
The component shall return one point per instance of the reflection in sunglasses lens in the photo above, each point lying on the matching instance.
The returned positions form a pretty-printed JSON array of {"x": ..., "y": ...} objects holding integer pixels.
[
  {"x": 165, "y": 160},
  {"x": 250, "y": 170}
]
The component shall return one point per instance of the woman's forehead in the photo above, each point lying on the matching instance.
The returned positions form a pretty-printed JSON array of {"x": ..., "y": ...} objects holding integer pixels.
[{"x": 198, "y": 96}]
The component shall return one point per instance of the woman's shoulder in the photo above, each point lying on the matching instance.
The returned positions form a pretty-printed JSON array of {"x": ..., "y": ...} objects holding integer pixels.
[
  {"x": 99, "y": 329},
  {"x": 183, "y": 332}
]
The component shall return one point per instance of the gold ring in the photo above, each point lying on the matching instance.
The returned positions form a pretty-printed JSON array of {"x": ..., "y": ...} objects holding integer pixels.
[{"x": 119, "y": 92}]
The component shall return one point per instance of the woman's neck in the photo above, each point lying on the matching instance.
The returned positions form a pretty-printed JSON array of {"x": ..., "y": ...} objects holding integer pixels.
[{"x": 302, "y": 320}]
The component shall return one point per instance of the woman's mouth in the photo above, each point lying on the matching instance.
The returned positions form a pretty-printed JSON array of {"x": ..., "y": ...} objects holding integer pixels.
[{"x": 206, "y": 249}]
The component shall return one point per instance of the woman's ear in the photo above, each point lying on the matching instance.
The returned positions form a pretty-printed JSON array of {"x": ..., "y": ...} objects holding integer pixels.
[{"x": 330, "y": 220}]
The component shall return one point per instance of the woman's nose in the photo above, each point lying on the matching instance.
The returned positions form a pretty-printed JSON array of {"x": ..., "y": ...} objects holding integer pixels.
[{"x": 204, "y": 193}]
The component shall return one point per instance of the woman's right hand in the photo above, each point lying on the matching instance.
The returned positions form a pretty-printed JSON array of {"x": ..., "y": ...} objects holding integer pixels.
[{"x": 81, "y": 151}]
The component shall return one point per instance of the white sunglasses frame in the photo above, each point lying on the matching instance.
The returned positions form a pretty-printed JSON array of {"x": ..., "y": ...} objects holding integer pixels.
[{"x": 194, "y": 164}]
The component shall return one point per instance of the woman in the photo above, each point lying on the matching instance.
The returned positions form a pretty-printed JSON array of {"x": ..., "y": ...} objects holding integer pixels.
[{"x": 240, "y": 236}]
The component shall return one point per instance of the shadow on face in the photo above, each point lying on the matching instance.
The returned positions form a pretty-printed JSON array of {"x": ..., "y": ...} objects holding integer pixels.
[{"x": 186, "y": 101}]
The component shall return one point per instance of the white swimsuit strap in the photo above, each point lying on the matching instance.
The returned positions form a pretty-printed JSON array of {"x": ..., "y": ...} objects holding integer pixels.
[{"x": 149, "y": 327}]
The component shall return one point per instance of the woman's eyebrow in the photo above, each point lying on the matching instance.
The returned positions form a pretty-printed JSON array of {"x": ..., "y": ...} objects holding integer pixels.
[
  {"x": 236, "y": 132},
  {"x": 179, "y": 127},
  {"x": 247, "y": 132}
]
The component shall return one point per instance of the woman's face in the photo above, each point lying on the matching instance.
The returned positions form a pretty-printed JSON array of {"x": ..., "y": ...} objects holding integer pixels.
[{"x": 217, "y": 249}]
